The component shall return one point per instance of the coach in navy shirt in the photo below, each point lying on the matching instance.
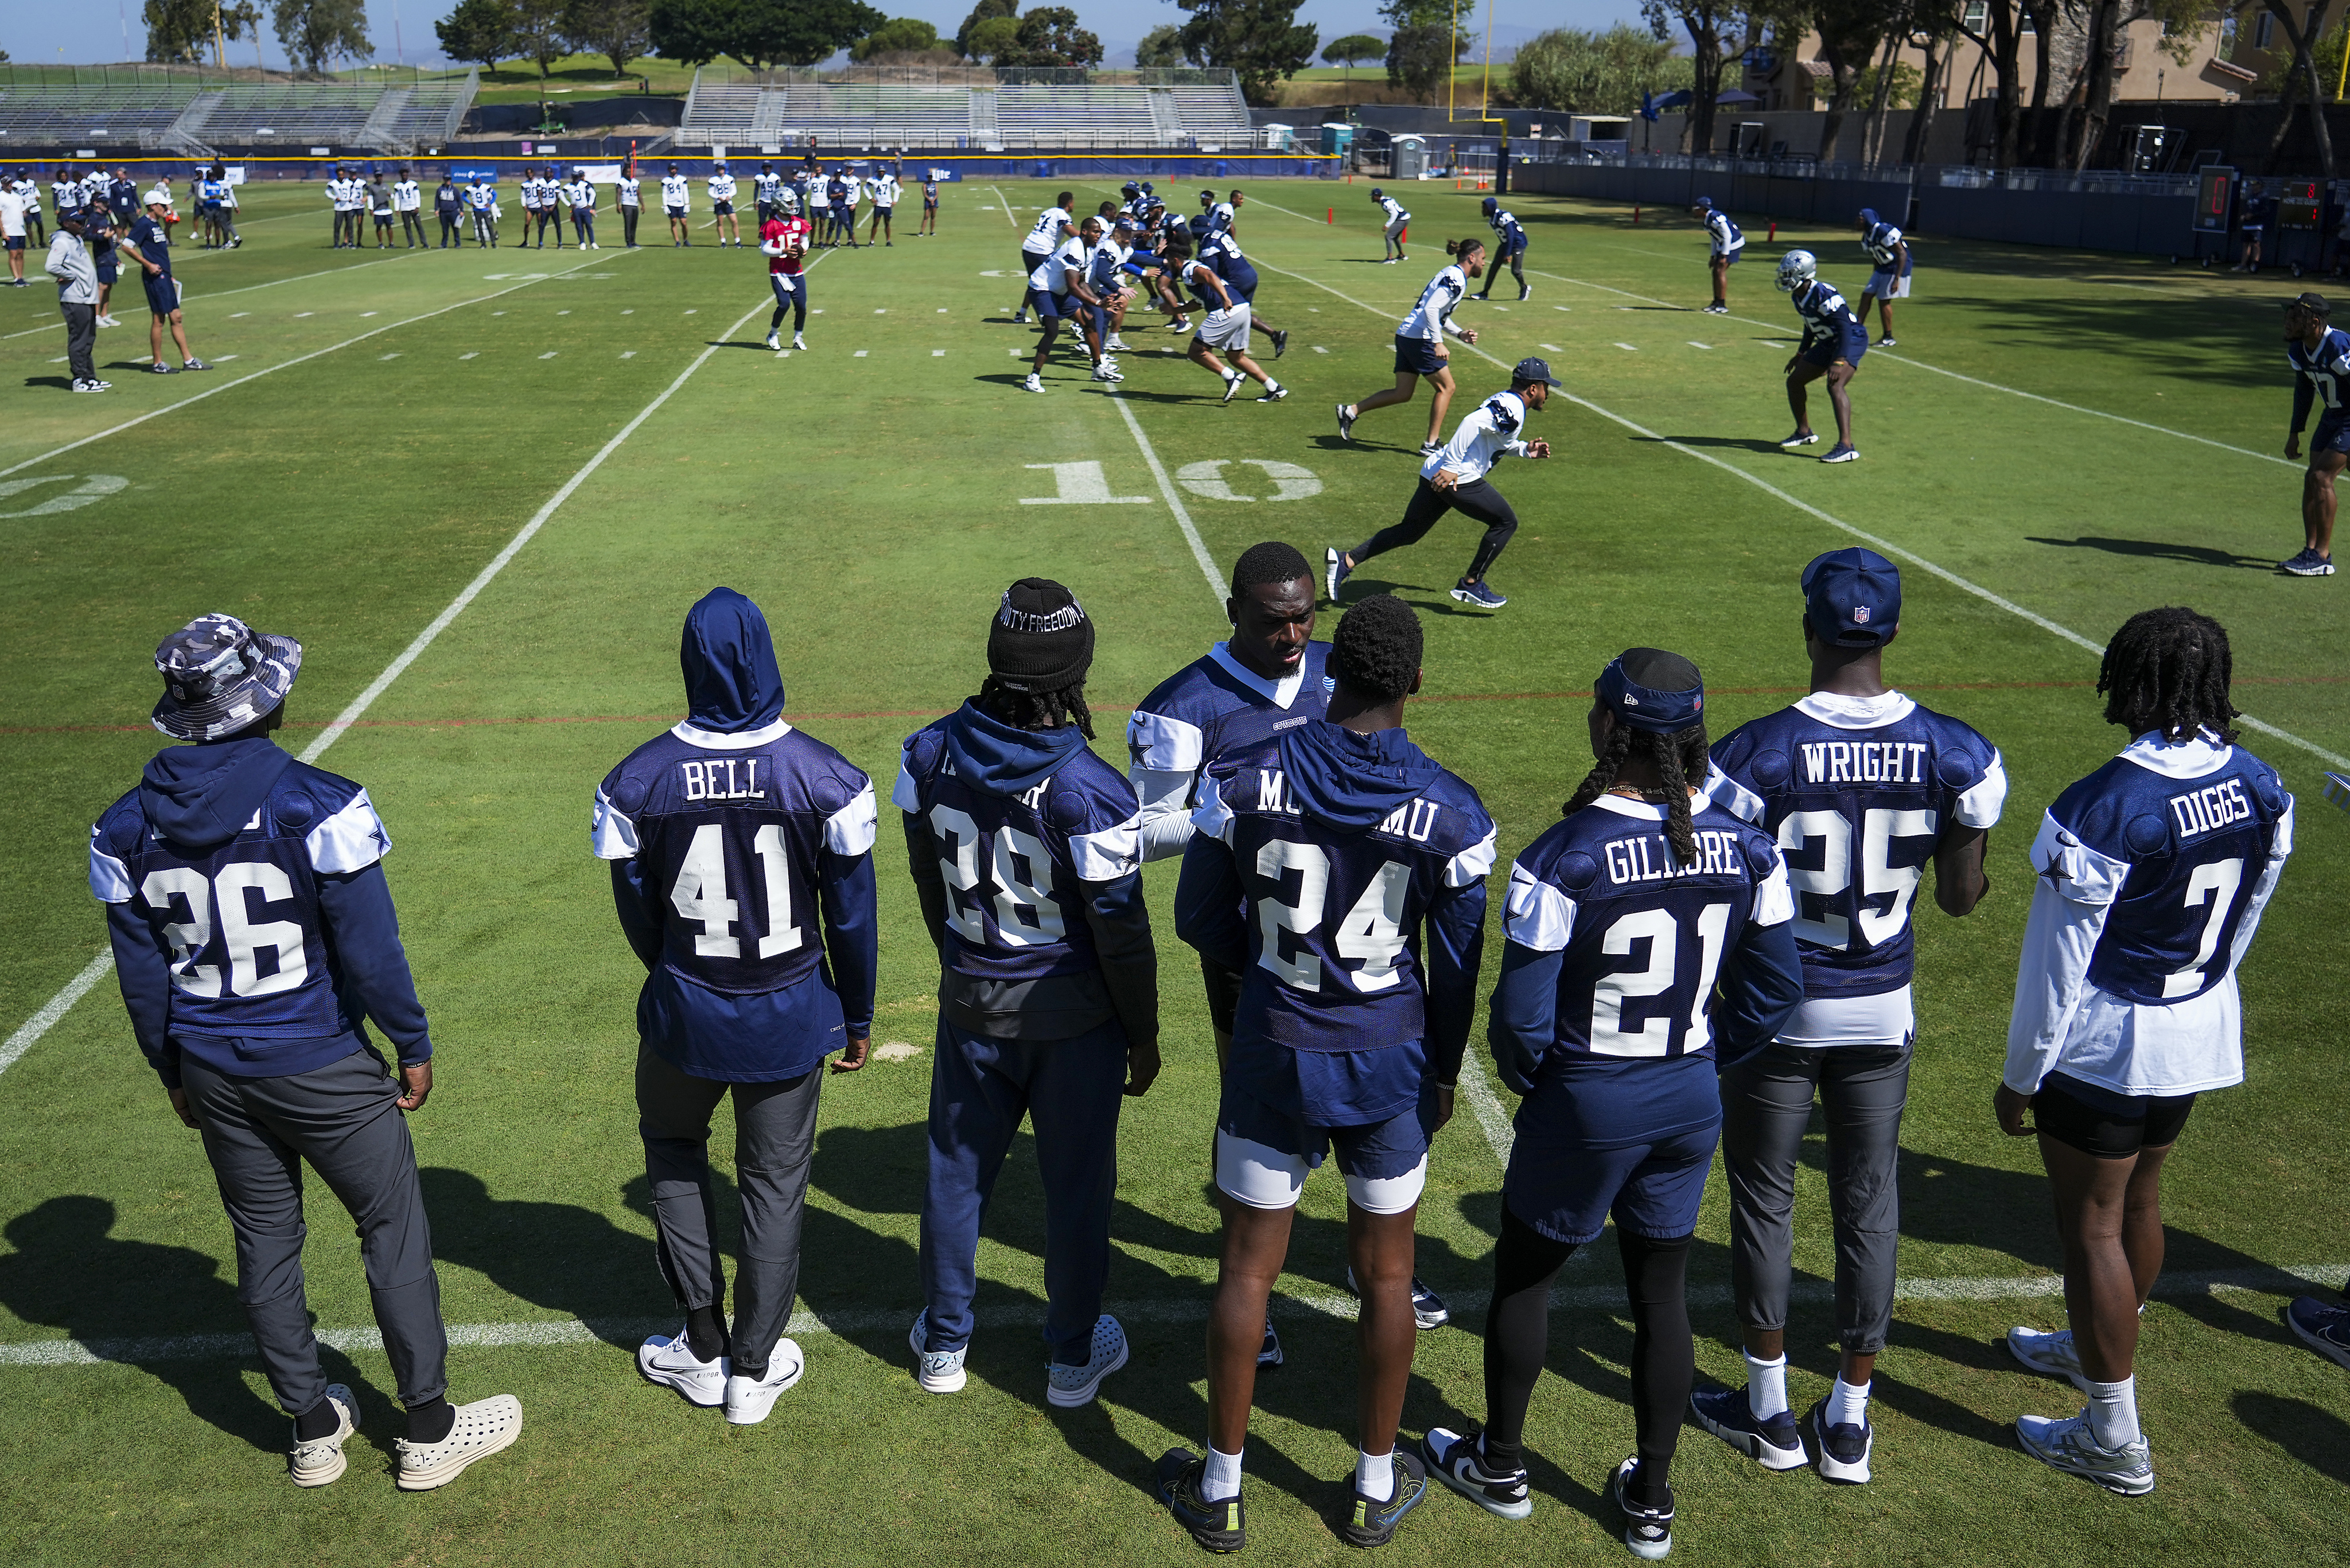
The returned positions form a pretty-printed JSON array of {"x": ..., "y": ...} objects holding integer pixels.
[{"x": 254, "y": 940}]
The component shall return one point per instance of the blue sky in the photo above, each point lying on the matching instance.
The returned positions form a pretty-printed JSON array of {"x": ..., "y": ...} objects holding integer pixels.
[{"x": 95, "y": 30}]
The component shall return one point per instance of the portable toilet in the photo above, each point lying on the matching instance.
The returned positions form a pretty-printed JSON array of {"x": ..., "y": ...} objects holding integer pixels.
[
  {"x": 1410, "y": 154},
  {"x": 1337, "y": 139},
  {"x": 1279, "y": 138}
]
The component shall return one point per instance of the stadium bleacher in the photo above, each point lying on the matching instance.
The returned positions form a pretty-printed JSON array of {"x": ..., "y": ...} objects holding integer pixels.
[
  {"x": 141, "y": 117},
  {"x": 1091, "y": 109},
  {"x": 195, "y": 117}
]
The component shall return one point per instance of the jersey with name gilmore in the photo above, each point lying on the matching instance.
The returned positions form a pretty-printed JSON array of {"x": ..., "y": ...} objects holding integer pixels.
[
  {"x": 1334, "y": 916},
  {"x": 1857, "y": 792},
  {"x": 729, "y": 831},
  {"x": 249, "y": 955},
  {"x": 1643, "y": 936}
]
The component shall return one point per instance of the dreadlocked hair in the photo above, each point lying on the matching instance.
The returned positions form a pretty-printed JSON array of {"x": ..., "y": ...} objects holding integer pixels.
[
  {"x": 1037, "y": 710},
  {"x": 1681, "y": 760},
  {"x": 2168, "y": 669}
]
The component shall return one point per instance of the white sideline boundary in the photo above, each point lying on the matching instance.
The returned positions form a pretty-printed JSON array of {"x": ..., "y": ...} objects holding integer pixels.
[
  {"x": 1492, "y": 1120},
  {"x": 224, "y": 293},
  {"x": 1937, "y": 369},
  {"x": 1190, "y": 1308},
  {"x": 216, "y": 391},
  {"x": 1885, "y": 546},
  {"x": 28, "y": 1035}
]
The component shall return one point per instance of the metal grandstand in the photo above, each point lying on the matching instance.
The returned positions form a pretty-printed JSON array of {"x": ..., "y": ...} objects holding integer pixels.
[
  {"x": 119, "y": 107},
  {"x": 975, "y": 107}
]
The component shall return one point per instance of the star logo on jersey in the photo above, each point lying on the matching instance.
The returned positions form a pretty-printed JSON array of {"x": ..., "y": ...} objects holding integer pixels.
[{"x": 2053, "y": 873}]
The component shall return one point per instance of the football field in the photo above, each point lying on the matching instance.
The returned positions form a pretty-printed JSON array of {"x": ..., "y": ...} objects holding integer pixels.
[{"x": 483, "y": 487}]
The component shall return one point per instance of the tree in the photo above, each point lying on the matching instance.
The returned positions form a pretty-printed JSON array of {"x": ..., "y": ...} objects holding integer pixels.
[
  {"x": 2303, "y": 33},
  {"x": 1258, "y": 40},
  {"x": 316, "y": 32},
  {"x": 770, "y": 33},
  {"x": 897, "y": 36},
  {"x": 538, "y": 33},
  {"x": 242, "y": 19},
  {"x": 1595, "y": 73},
  {"x": 690, "y": 32},
  {"x": 1353, "y": 47},
  {"x": 986, "y": 10},
  {"x": 178, "y": 30},
  {"x": 620, "y": 30},
  {"x": 1424, "y": 46},
  {"x": 995, "y": 40},
  {"x": 1161, "y": 47},
  {"x": 1708, "y": 24},
  {"x": 1049, "y": 36},
  {"x": 482, "y": 31}
]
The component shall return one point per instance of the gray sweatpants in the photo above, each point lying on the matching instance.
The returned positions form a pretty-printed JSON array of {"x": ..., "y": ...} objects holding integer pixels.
[
  {"x": 1766, "y": 1104},
  {"x": 81, "y": 338},
  {"x": 339, "y": 1117},
  {"x": 774, "y": 1136}
]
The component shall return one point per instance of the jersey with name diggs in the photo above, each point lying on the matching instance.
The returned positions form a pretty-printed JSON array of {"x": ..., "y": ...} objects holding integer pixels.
[
  {"x": 249, "y": 955},
  {"x": 1334, "y": 916},
  {"x": 2177, "y": 857},
  {"x": 1643, "y": 936},
  {"x": 1856, "y": 801},
  {"x": 730, "y": 836},
  {"x": 1014, "y": 864}
]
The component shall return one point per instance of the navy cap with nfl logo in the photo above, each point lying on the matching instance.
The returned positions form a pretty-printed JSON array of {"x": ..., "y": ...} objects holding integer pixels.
[{"x": 1852, "y": 598}]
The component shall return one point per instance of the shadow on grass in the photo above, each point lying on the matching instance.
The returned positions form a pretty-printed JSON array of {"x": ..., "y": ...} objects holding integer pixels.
[
  {"x": 62, "y": 383},
  {"x": 1420, "y": 596},
  {"x": 126, "y": 1300},
  {"x": 559, "y": 1256},
  {"x": 1732, "y": 443},
  {"x": 2161, "y": 550},
  {"x": 2316, "y": 1437}
]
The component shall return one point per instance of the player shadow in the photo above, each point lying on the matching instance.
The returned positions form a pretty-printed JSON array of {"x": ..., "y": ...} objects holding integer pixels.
[
  {"x": 759, "y": 344},
  {"x": 2161, "y": 550},
  {"x": 1733, "y": 443},
  {"x": 1141, "y": 395},
  {"x": 1420, "y": 596},
  {"x": 2310, "y": 1433},
  {"x": 139, "y": 1303},
  {"x": 559, "y": 1256},
  {"x": 62, "y": 383}
]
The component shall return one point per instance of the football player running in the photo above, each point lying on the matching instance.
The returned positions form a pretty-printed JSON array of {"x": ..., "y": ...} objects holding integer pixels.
[
  {"x": 2153, "y": 872},
  {"x": 1869, "y": 788},
  {"x": 1420, "y": 348},
  {"x": 1617, "y": 1066},
  {"x": 1513, "y": 237},
  {"x": 1224, "y": 325},
  {"x": 1048, "y": 998},
  {"x": 1393, "y": 222},
  {"x": 2319, "y": 354},
  {"x": 741, "y": 855},
  {"x": 1834, "y": 342},
  {"x": 1343, "y": 873}
]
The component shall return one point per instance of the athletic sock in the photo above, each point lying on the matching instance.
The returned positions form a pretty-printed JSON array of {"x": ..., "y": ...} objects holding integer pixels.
[
  {"x": 432, "y": 1420},
  {"x": 1498, "y": 1458},
  {"x": 1220, "y": 1481},
  {"x": 2113, "y": 1412},
  {"x": 1375, "y": 1475},
  {"x": 319, "y": 1421},
  {"x": 1766, "y": 1387},
  {"x": 1848, "y": 1406},
  {"x": 706, "y": 1337}
]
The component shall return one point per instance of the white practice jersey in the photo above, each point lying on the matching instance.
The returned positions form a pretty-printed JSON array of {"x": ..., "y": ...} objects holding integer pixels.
[
  {"x": 1483, "y": 437},
  {"x": 1433, "y": 316},
  {"x": 677, "y": 192}
]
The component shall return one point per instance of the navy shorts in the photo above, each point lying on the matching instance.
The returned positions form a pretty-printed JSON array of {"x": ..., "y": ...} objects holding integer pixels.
[
  {"x": 1729, "y": 258},
  {"x": 1826, "y": 354},
  {"x": 1417, "y": 355},
  {"x": 14, "y": 242},
  {"x": 2332, "y": 435},
  {"x": 1263, "y": 1153},
  {"x": 1051, "y": 307},
  {"x": 1567, "y": 1191},
  {"x": 677, "y": 212},
  {"x": 721, "y": 208},
  {"x": 787, "y": 284},
  {"x": 108, "y": 270},
  {"x": 1031, "y": 260},
  {"x": 163, "y": 295}
]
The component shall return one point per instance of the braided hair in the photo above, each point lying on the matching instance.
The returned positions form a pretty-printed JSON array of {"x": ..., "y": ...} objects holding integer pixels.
[
  {"x": 1679, "y": 758},
  {"x": 2167, "y": 671},
  {"x": 1037, "y": 710}
]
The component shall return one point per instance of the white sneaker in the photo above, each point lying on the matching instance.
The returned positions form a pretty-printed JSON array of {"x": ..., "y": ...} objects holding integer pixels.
[
  {"x": 2050, "y": 1354},
  {"x": 1232, "y": 385},
  {"x": 2071, "y": 1446},
  {"x": 1107, "y": 372},
  {"x": 798, "y": 341},
  {"x": 774, "y": 342},
  {"x": 108, "y": 321},
  {"x": 938, "y": 1370},
  {"x": 1034, "y": 383},
  {"x": 483, "y": 1427},
  {"x": 1116, "y": 345},
  {"x": 1069, "y": 1387},
  {"x": 670, "y": 1361},
  {"x": 748, "y": 1400},
  {"x": 321, "y": 1461}
]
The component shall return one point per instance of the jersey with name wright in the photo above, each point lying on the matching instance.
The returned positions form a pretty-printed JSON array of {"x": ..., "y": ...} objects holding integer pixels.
[{"x": 1857, "y": 792}]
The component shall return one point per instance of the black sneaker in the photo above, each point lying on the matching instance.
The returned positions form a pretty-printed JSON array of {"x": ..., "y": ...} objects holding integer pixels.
[
  {"x": 1648, "y": 1531},
  {"x": 1280, "y": 344},
  {"x": 1369, "y": 1523},
  {"x": 1268, "y": 1355},
  {"x": 1218, "y": 1526},
  {"x": 1459, "y": 1461}
]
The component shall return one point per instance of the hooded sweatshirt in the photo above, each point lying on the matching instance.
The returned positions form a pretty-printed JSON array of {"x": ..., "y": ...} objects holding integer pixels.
[
  {"x": 742, "y": 868},
  {"x": 1026, "y": 853},
  {"x": 247, "y": 910}
]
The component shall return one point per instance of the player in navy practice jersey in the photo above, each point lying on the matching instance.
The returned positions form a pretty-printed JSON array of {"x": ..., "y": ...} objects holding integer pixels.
[
  {"x": 1862, "y": 788},
  {"x": 1621, "y": 920},
  {"x": 1026, "y": 853},
  {"x": 2153, "y": 874},
  {"x": 1343, "y": 873},
  {"x": 1512, "y": 240},
  {"x": 1833, "y": 341},
  {"x": 254, "y": 939},
  {"x": 1889, "y": 257},
  {"x": 2319, "y": 353},
  {"x": 742, "y": 855}
]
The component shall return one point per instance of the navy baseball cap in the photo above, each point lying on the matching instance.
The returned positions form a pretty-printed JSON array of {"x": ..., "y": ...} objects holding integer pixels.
[
  {"x": 1702, "y": 202},
  {"x": 1868, "y": 215},
  {"x": 220, "y": 675},
  {"x": 1528, "y": 371},
  {"x": 1852, "y": 598},
  {"x": 1642, "y": 707}
]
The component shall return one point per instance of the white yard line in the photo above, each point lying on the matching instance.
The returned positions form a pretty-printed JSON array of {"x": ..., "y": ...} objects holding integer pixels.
[
  {"x": 1955, "y": 376},
  {"x": 223, "y": 293},
  {"x": 29, "y": 1034},
  {"x": 1007, "y": 211},
  {"x": 1187, "y": 1308},
  {"x": 1885, "y": 546}
]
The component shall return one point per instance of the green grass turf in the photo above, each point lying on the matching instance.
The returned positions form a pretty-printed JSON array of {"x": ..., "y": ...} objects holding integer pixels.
[{"x": 871, "y": 505}]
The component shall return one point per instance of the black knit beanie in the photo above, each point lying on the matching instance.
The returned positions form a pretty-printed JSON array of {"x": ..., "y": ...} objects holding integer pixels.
[{"x": 1041, "y": 639}]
